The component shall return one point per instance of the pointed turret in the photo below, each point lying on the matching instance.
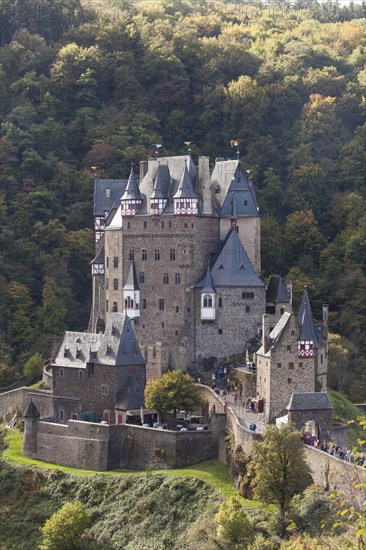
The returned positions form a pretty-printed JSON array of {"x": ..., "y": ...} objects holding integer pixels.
[
  {"x": 185, "y": 199},
  {"x": 245, "y": 199},
  {"x": 308, "y": 339},
  {"x": 131, "y": 198},
  {"x": 208, "y": 311},
  {"x": 160, "y": 194},
  {"x": 131, "y": 294},
  {"x": 128, "y": 350}
]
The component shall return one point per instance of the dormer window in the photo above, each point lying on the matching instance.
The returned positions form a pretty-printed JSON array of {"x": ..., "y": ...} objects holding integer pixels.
[
  {"x": 207, "y": 300},
  {"x": 107, "y": 192}
]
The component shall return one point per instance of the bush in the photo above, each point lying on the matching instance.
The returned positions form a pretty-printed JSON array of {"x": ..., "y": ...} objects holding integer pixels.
[
  {"x": 34, "y": 366},
  {"x": 64, "y": 529},
  {"x": 311, "y": 509}
]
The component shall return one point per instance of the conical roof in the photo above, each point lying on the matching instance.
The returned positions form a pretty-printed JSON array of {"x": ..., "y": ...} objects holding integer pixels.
[
  {"x": 208, "y": 284},
  {"x": 31, "y": 411},
  {"x": 185, "y": 189},
  {"x": 232, "y": 267},
  {"x": 245, "y": 199},
  {"x": 132, "y": 190},
  {"x": 305, "y": 320},
  {"x": 128, "y": 350},
  {"x": 276, "y": 291},
  {"x": 99, "y": 258},
  {"x": 132, "y": 281},
  {"x": 162, "y": 183}
]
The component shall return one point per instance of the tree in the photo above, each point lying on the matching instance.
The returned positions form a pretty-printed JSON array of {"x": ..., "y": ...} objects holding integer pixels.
[
  {"x": 172, "y": 391},
  {"x": 279, "y": 468},
  {"x": 233, "y": 524},
  {"x": 63, "y": 530},
  {"x": 34, "y": 366}
]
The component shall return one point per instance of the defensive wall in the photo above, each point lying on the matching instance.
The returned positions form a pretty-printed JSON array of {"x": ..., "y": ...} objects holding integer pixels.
[
  {"x": 43, "y": 400},
  {"x": 103, "y": 447}
]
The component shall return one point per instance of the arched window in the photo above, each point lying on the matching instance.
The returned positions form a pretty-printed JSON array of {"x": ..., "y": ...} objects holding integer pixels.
[{"x": 207, "y": 300}]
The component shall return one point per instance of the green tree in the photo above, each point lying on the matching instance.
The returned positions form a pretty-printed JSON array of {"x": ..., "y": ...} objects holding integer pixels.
[
  {"x": 171, "y": 392},
  {"x": 63, "y": 530},
  {"x": 279, "y": 468},
  {"x": 233, "y": 524},
  {"x": 34, "y": 366}
]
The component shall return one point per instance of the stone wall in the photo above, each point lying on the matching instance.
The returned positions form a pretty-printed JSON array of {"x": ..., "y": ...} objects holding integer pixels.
[{"x": 20, "y": 398}]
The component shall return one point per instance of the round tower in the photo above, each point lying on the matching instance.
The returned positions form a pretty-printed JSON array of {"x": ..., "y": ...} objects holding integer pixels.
[{"x": 31, "y": 417}]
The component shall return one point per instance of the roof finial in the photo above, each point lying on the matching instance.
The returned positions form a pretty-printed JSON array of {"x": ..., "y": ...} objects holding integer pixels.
[
  {"x": 235, "y": 143},
  {"x": 157, "y": 147},
  {"x": 188, "y": 143}
]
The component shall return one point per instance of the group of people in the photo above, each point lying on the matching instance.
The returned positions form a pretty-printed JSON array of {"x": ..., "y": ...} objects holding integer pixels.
[{"x": 344, "y": 453}]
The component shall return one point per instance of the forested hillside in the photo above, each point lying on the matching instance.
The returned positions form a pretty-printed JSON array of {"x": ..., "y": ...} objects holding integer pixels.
[{"x": 86, "y": 90}]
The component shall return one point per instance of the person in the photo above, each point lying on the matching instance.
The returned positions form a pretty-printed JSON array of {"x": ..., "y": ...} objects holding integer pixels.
[
  {"x": 254, "y": 426},
  {"x": 235, "y": 397}
]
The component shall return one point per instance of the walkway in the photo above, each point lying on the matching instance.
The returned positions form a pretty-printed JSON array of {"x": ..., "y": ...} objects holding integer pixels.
[{"x": 245, "y": 417}]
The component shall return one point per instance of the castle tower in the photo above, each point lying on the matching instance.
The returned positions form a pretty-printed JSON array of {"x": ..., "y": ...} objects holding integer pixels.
[
  {"x": 160, "y": 195},
  {"x": 131, "y": 199},
  {"x": 31, "y": 417},
  {"x": 277, "y": 299},
  {"x": 185, "y": 199}
]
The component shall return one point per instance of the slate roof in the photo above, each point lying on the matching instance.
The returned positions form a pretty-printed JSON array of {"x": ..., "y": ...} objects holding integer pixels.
[
  {"x": 275, "y": 333},
  {"x": 102, "y": 203},
  {"x": 31, "y": 411},
  {"x": 306, "y": 322},
  {"x": 132, "y": 190},
  {"x": 208, "y": 284},
  {"x": 276, "y": 291},
  {"x": 132, "y": 281},
  {"x": 162, "y": 183},
  {"x": 309, "y": 402},
  {"x": 99, "y": 258},
  {"x": 185, "y": 189},
  {"x": 131, "y": 395},
  {"x": 117, "y": 346},
  {"x": 234, "y": 213},
  {"x": 232, "y": 266},
  {"x": 245, "y": 199}
]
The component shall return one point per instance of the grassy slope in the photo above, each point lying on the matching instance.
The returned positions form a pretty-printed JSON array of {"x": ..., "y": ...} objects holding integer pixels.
[{"x": 345, "y": 411}]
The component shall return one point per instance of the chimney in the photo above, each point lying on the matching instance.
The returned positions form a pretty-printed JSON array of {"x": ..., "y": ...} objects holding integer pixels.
[
  {"x": 205, "y": 184},
  {"x": 265, "y": 332},
  {"x": 143, "y": 169},
  {"x": 289, "y": 291},
  {"x": 325, "y": 326}
]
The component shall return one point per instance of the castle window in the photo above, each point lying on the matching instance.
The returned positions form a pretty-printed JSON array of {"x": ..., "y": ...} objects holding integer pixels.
[
  {"x": 166, "y": 278},
  {"x": 220, "y": 330},
  {"x": 62, "y": 373},
  {"x": 220, "y": 302},
  {"x": 279, "y": 365},
  {"x": 186, "y": 225},
  {"x": 300, "y": 365},
  {"x": 162, "y": 325},
  {"x": 188, "y": 310},
  {"x": 247, "y": 295},
  {"x": 321, "y": 359},
  {"x": 107, "y": 261},
  {"x": 207, "y": 300},
  {"x": 128, "y": 303},
  {"x": 115, "y": 284},
  {"x": 143, "y": 254},
  {"x": 157, "y": 254},
  {"x": 144, "y": 303},
  {"x": 176, "y": 333},
  {"x": 176, "y": 309},
  {"x": 106, "y": 305},
  {"x": 247, "y": 309},
  {"x": 107, "y": 283},
  {"x": 288, "y": 348},
  {"x": 107, "y": 192},
  {"x": 161, "y": 304},
  {"x": 282, "y": 310},
  {"x": 145, "y": 225},
  {"x": 245, "y": 203},
  {"x": 192, "y": 225},
  {"x": 115, "y": 307},
  {"x": 237, "y": 229},
  {"x": 80, "y": 374},
  {"x": 170, "y": 225},
  {"x": 292, "y": 333},
  {"x": 177, "y": 278},
  {"x": 142, "y": 276},
  {"x": 172, "y": 254},
  {"x": 104, "y": 390},
  {"x": 61, "y": 414},
  {"x": 128, "y": 225},
  {"x": 291, "y": 366},
  {"x": 131, "y": 255},
  {"x": 289, "y": 380},
  {"x": 162, "y": 225},
  {"x": 91, "y": 370}
]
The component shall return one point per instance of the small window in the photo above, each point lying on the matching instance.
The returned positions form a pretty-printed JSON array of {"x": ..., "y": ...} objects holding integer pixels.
[
  {"x": 288, "y": 348},
  {"x": 107, "y": 192},
  {"x": 106, "y": 305},
  {"x": 282, "y": 310},
  {"x": 157, "y": 254},
  {"x": 115, "y": 284},
  {"x": 188, "y": 310},
  {"x": 61, "y": 413},
  {"x": 107, "y": 261},
  {"x": 279, "y": 365},
  {"x": 143, "y": 254},
  {"x": 144, "y": 303},
  {"x": 131, "y": 255},
  {"x": 80, "y": 374},
  {"x": 91, "y": 370},
  {"x": 220, "y": 302},
  {"x": 220, "y": 330},
  {"x": 115, "y": 307},
  {"x": 291, "y": 366},
  {"x": 207, "y": 300},
  {"x": 289, "y": 380},
  {"x": 192, "y": 225},
  {"x": 186, "y": 225},
  {"x": 176, "y": 309},
  {"x": 247, "y": 309},
  {"x": 321, "y": 359},
  {"x": 292, "y": 333},
  {"x": 177, "y": 278},
  {"x": 104, "y": 390},
  {"x": 62, "y": 373},
  {"x": 161, "y": 304},
  {"x": 170, "y": 225},
  {"x": 176, "y": 333},
  {"x": 115, "y": 262},
  {"x": 162, "y": 325},
  {"x": 107, "y": 283},
  {"x": 128, "y": 225},
  {"x": 172, "y": 254},
  {"x": 300, "y": 365},
  {"x": 245, "y": 203},
  {"x": 142, "y": 276},
  {"x": 145, "y": 225},
  {"x": 162, "y": 225},
  {"x": 166, "y": 278}
]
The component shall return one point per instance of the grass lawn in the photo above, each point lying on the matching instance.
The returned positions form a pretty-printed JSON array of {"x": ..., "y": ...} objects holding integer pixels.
[{"x": 212, "y": 472}]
